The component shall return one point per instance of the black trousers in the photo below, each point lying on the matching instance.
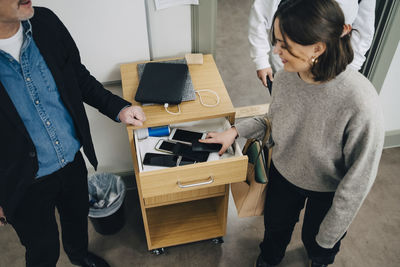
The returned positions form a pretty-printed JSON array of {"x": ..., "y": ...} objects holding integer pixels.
[
  {"x": 283, "y": 204},
  {"x": 35, "y": 221}
]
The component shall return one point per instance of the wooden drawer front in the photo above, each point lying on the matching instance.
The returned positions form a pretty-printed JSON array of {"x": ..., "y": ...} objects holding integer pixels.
[
  {"x": 207, "y": 174},
  {"x": 185, "y": 196}
]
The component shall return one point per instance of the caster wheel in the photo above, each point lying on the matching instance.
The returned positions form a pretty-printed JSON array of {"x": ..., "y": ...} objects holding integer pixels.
[
  {"x": 218, "y": 240},
  {"x": 158, "y": 251}
]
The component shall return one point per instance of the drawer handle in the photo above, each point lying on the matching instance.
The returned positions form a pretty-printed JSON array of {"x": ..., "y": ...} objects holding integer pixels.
[{"x": 211, "y": 180}]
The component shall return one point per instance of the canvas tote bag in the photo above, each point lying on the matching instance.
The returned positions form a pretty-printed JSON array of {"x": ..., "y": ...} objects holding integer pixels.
[{"x": 249, "y": 196}]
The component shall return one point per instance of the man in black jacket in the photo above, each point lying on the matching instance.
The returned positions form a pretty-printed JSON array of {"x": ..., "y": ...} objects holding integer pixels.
[{"x": 43, "y": 85}]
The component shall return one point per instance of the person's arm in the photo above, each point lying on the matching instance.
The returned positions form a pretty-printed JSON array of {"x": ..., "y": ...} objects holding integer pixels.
[
  {"x": 362, "y": 38},
  {"x": 252, "y": 128},
  {"x": 362, "y": 151},
  {"x": 249, "y": 128},
  {"x": 260, "y": 21},
  {"x": 258, "y": 33}
]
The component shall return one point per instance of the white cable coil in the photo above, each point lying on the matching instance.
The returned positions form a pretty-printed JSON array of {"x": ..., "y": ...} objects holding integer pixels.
[{"x": 166, "y": 105}]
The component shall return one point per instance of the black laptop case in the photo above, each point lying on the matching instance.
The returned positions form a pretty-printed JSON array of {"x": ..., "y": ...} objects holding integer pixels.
[{"x": 162, "y": 83}]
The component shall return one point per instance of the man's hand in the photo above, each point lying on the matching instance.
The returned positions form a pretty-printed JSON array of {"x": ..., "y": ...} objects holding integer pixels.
[
  {"x": 132, "y": 115},
  {"x": 262, "y": 75},
  {"x": 3, "y": 220},
  {"x": 225, "y": 138}
]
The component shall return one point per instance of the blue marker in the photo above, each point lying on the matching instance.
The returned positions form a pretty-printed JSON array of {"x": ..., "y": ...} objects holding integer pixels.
[{"x": 153, "y": 131}]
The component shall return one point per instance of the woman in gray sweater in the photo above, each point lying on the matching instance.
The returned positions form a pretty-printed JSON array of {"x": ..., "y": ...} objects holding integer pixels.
[{"x": 327, "y": 127}]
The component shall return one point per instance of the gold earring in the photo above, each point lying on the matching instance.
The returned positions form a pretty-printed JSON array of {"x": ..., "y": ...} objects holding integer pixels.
[{"x": 314, "y": 60}]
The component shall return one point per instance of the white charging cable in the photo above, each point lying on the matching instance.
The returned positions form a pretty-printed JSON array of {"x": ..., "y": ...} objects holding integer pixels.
[
  {"x": 210, "y": 91},
  {"x": 170, "y": 112},
  {"x": 166, "y": 105}
]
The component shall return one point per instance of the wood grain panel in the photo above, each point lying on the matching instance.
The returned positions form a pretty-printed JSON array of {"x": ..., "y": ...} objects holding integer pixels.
[
  {"x": 204, "y": 76},
  {"x": 185, "y": 196},
  {"x": 251, "y": 111},
  {"x": 185, "y": 222}
]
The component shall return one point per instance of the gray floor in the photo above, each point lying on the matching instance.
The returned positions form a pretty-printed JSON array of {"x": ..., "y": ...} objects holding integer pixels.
[
  {"x": 372, "y": 240},
  {"x": 233, "y": 54}
]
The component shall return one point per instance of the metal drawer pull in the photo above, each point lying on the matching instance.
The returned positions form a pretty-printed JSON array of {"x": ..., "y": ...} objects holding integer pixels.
[{"x": 211, "y": 180}]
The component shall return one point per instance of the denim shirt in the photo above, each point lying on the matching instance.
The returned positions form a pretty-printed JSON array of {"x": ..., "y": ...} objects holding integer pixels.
[{"x": 34, "y": 93}]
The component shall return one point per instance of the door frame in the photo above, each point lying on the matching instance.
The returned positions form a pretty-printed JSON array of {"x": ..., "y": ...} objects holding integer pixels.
[
  {"x": 384, "y": 44},
  {"x": 204, "y": 22}
]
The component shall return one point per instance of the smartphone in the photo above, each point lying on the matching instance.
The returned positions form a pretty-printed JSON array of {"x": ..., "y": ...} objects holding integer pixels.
[
  {"x": 185, "y": 136},
  {"x": 166, "y": 146},
  {"x": 269, "y": 85},
  {"x": 186, "y": 151},
  {"x": 197, "y": 146},
  {"x": 185, "y": 161},
  {"x": 155, "y": 159}
]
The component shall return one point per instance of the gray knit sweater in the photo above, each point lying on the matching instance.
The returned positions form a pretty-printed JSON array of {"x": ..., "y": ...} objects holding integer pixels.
[{"x": 328, "y": 137}]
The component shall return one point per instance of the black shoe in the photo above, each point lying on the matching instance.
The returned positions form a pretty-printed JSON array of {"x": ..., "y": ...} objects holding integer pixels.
[
  {"x": 261, "y": 263},
  {"x": 92, "y": 260},
  {"x": 314, "y": 264}
]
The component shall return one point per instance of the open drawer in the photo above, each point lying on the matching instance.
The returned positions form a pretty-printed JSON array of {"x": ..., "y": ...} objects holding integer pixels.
[{"x": 216, "y": 172}]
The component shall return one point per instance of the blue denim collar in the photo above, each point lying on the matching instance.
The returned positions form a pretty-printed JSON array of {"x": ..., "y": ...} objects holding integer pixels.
[{"x": 27, "y": 27}]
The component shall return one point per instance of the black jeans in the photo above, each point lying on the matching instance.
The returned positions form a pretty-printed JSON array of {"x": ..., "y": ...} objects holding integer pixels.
[
  {"x": 283, "y": 204},
  {"x": 35, "y": 221}
]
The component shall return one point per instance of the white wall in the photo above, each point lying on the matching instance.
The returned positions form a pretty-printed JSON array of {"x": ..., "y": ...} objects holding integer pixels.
[
  {"x": 107, "y": 33},
  {"x": 169, "y": 30},
  {"x": 390, "y": 94}
]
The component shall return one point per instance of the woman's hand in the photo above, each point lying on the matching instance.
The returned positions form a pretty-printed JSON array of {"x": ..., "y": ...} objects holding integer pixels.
[{"x": 226, "y": 139}]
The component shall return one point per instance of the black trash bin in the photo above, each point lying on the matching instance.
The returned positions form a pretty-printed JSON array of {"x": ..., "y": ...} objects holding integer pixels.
[{"x": 106, "y": 198}]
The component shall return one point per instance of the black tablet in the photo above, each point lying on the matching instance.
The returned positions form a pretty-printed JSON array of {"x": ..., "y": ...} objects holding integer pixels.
[{"x": 162, "y": 83}]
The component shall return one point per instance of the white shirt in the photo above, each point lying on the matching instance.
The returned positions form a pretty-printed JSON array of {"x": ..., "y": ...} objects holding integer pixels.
[
  {"x": 13, "y": 44},
  {"x": 360, "y": 16}
]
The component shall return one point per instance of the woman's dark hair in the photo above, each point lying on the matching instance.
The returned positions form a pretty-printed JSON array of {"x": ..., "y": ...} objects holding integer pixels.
[{"x": 307, "y": 22}]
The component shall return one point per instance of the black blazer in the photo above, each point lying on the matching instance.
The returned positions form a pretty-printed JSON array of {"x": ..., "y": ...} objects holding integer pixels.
[{"x": 18, "y": 160}]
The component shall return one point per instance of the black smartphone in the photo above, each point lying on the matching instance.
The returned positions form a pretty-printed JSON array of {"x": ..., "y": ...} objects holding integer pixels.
[
  {"x": 185, "y": 136},
  {"x": 197, "y": 146},
  {"x": 269, "y": 84},
  {"x": 166, "y": 146},
  {"x": 186, "y": 151},
  {"x": 185, "y": 161},
  {"x": 155, "y": 159}
]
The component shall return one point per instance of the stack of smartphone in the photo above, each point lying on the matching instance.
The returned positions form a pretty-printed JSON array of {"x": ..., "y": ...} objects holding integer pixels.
[{"x": 182, "y": 147}]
